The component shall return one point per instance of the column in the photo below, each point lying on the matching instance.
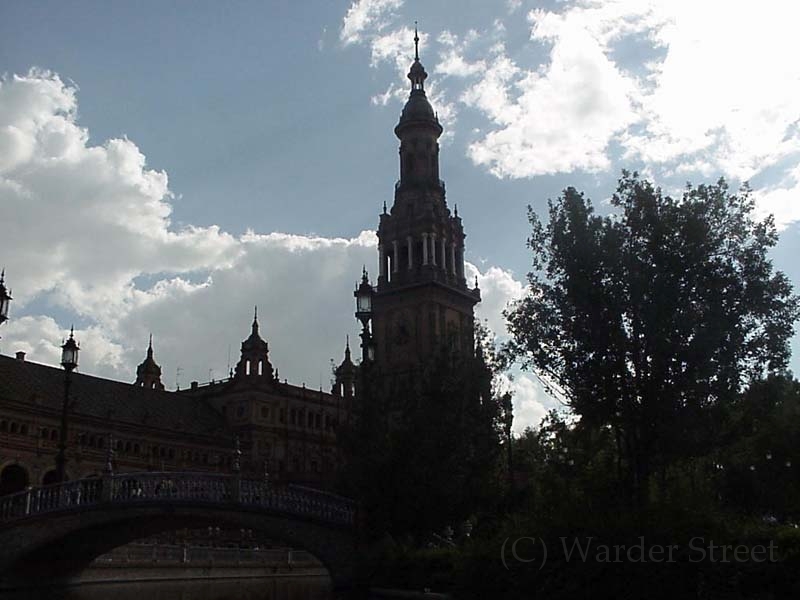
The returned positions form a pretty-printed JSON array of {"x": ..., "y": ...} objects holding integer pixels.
[
  {"x": 453, "y": 258},
  {"x": 424, "y": 248},
  {"x": 381, "y": 261},
  {"x": 444, "y": 254},
  {"x": 433, "y": 249},
  {"x": 410, "y": 241},
  {"x": 395, "y": 257},
  {"x": 460, "y": 262}
]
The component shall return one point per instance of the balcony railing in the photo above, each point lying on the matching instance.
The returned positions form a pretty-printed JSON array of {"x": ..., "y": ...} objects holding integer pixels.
[
  {"x": 399, "y": 182},
  {"x": 160, "y": 487}
]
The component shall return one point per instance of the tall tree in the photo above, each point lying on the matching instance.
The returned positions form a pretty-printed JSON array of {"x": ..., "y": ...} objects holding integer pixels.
[
  {"x": 426, "y": 455},
  {"x": 650, "y": 317}
]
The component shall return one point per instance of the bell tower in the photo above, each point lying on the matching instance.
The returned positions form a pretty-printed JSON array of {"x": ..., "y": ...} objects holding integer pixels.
[{"x": 422, "y": 303}]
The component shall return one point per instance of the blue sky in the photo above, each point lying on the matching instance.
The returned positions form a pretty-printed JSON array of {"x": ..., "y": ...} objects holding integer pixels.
[{"x": 164, "y": 166}]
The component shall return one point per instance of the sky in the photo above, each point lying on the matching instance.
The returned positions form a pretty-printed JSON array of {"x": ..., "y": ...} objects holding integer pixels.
[{"x": 165, "y": 166}]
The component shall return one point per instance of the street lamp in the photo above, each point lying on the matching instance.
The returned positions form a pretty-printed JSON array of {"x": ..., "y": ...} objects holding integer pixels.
[
  {"x": 69, "y": 360},
  {"x": 5, "y": 298},
  {"x": 363, "y": 295}
]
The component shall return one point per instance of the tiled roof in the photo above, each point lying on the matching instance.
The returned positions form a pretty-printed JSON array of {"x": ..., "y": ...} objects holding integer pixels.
[{"x": 27, "y": 382}]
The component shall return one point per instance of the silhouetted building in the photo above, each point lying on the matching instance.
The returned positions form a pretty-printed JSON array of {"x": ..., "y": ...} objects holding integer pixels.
[{"x": 421, "y": 304}]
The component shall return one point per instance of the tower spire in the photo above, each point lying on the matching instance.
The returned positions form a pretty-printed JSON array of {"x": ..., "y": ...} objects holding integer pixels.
[
  {"x": 416, "y": 42},
  {"x": 148, "y": 374}
]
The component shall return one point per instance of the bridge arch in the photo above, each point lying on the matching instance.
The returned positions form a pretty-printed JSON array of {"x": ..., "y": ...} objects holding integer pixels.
[
  {"x": 14, "y": 477},
  {"x": 58, "y": 543}
]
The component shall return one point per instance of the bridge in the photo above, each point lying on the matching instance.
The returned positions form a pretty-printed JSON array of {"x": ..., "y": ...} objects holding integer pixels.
[{"x": 55, "y": 531}]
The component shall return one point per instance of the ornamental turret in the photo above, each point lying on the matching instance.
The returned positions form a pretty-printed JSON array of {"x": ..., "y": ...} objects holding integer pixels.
[
  {"x": 345, "y": 375},
  {"x": 148, "y": 374},
  {"x": 254, "y": 361}
]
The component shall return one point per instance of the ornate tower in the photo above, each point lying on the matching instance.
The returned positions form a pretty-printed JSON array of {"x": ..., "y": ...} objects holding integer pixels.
[
  {"x": 148, "y": 374},
  {"x": 345, "y": 375},
  {"x": 254, "y": 361},
  {"x": 422, "y": 303}
]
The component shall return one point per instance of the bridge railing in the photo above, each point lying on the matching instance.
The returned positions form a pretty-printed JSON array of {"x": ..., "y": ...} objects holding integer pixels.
[{"x": 207, "y": 488}]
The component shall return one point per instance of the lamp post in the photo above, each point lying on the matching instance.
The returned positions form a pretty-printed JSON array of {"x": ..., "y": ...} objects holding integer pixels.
[
  {"x": 69, "y": 360},
  {"x": 5, "y": 298},
  {"x": 363, "y": 296}
]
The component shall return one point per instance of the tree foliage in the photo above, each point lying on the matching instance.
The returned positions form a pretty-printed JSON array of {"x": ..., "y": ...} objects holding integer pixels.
[
  {"x": 427, "y": 455},
  {"x": 653, "y": 317}
]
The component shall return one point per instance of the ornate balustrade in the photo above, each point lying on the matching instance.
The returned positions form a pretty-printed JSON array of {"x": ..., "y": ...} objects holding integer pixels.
[{"x": 206, "y": 488}]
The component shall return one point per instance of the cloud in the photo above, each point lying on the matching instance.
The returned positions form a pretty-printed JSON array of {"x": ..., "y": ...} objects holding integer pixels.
[
  {"x": 666, "y": 85},
  {"x": 556, "y": 119},
  {"x": 366, "y": 15},
  {"x": 90, "y": 206},
  {"x": 529, "y": 399},
  {"x": 782, "y": 200},
  {"x": 89, "y": 239},
  {"x": 498, "y": 289},
  {"x": 715, "y": 101}
]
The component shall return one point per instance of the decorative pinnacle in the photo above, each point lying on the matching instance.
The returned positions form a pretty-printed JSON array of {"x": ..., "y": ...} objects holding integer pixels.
[
  {"x": 384, "y": 207},
  {"x": 255, "y": 320},
  {"x": 72, "y": 332},
  {"x": 3, "y": 275},
  {"x": 416, "y": 42},
  {"x": 364, "y": 276}
]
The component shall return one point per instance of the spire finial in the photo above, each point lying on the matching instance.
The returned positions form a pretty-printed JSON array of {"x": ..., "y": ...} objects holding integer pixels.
[
  {"x": 364, "y": 276},
  {"x": 3, "y": 275},
  {"x": 456, "y": 210},
  {"x": 72, "y": 332},
  {"x": 150, "y": 347},
  {"x": 255, "y": 320},
  {"x": 416, "y": 42},
  {"x": 384, "y": 207}
]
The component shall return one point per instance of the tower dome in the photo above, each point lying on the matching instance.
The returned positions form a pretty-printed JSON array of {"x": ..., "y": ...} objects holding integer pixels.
[{"x": 148, "y": 374}]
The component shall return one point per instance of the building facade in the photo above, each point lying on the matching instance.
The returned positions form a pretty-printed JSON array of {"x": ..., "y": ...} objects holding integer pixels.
[{"x": 421, "y": 304}]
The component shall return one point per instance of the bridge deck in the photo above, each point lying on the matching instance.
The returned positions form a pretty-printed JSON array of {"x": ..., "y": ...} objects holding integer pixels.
[{"x": 161, "y": 487}]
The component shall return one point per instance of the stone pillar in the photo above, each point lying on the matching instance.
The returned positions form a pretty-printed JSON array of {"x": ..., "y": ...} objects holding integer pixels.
[
  {"x": 424, "y": 248},
  {"x": 453, "y": 258},
  {"x": 395, "y": 257},
  {"x": 460, "y": 262},
  {"x": 433, "y": 249},
  {"x": 381, "y": 261},
  {"x": 444, "y": 254},
  {"x": 410, "y": 241}
]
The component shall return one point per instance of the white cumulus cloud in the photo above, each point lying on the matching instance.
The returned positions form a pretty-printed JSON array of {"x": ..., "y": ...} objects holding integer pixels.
[
  {"x": 364, "y": 15},
  {"x": 88, "y": 239}
]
